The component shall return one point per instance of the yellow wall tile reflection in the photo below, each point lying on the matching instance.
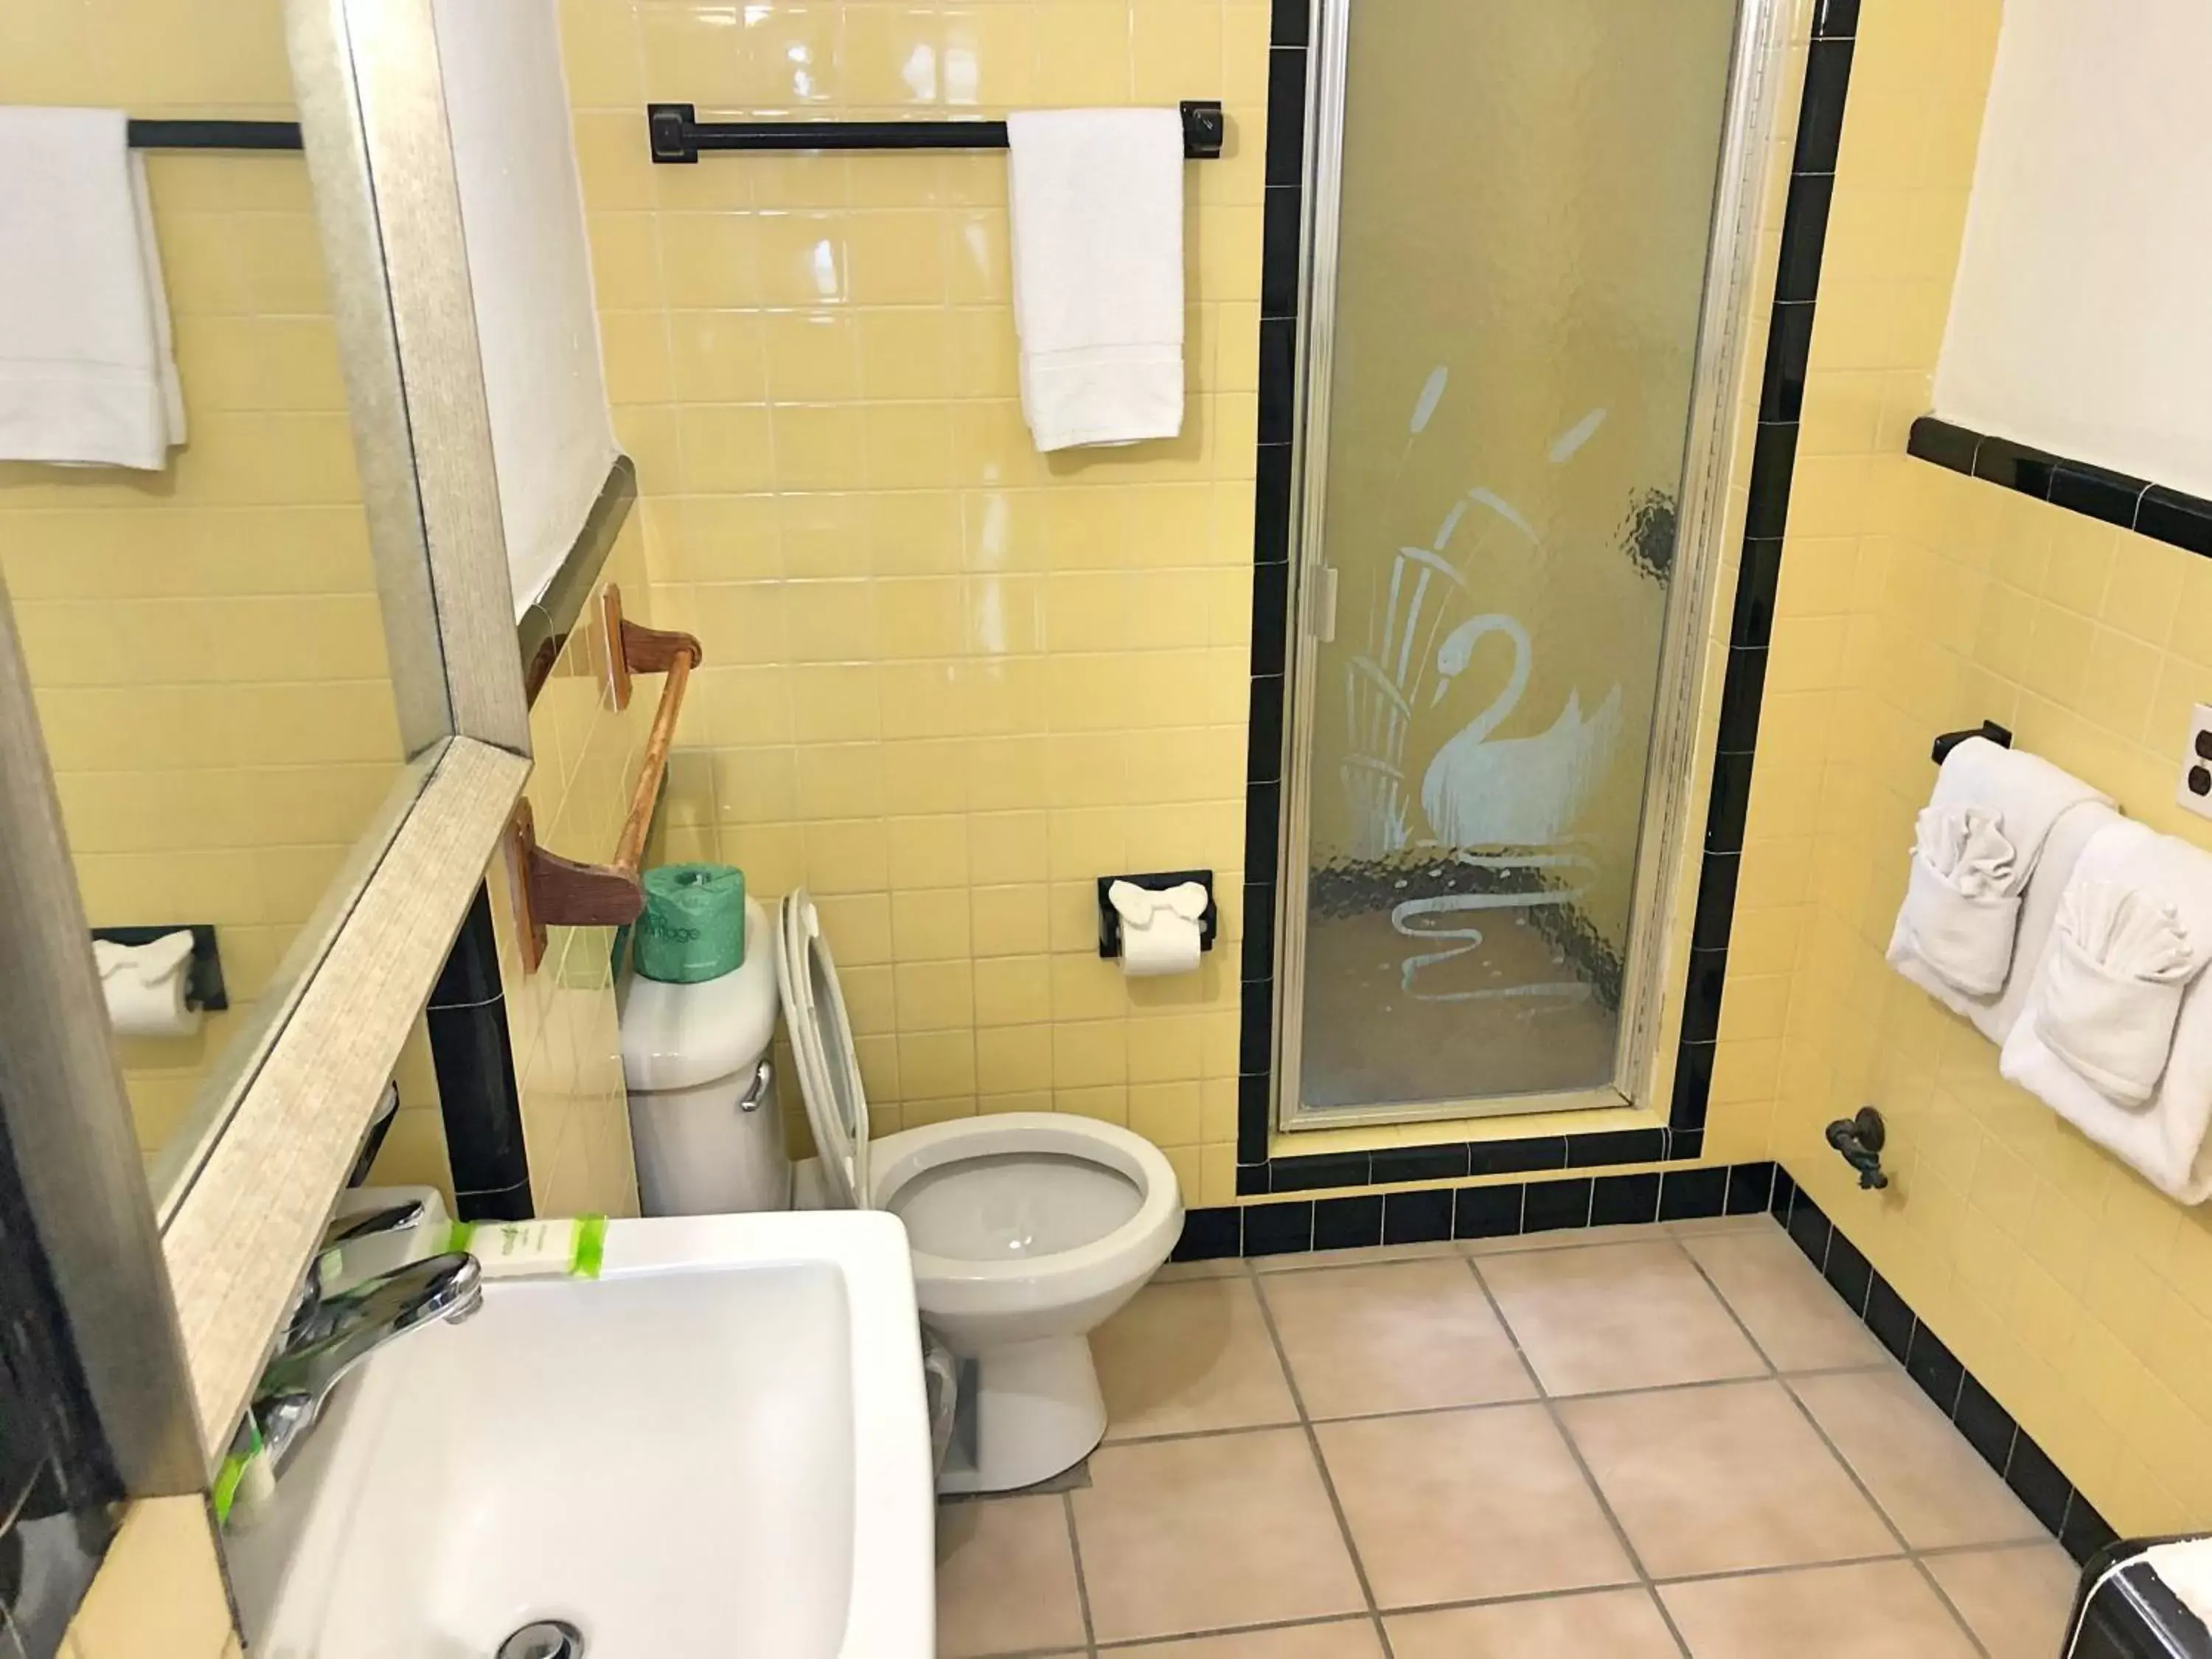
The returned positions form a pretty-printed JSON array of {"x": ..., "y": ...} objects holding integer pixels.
[{"x": 205, "y": 642}]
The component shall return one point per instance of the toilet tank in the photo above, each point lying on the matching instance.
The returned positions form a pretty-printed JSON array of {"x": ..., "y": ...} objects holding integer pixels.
[{"x": 703, "y": 1113}]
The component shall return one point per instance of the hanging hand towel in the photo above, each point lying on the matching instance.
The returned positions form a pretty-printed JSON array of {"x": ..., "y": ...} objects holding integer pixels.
[
  {"x": 2112, "y": 987},
  {"x": 1977, "y": 846},
  {"x": 1961, "y": 905},
  {"x": 85, "y": 371},
  {"x": 2165, "y": 1137},
  {"x": 1095, "y": 198}
]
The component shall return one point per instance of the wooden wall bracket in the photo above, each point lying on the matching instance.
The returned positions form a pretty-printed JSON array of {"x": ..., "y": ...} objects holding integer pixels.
[{"x": 552, "y": 892}]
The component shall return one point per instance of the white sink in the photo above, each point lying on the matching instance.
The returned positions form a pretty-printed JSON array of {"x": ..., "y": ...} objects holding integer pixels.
[{"x": 720, "y": 1447}]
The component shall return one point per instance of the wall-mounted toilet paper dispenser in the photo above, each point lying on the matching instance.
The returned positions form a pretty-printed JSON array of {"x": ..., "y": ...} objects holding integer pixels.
[{"x": 1158, "y": 881}]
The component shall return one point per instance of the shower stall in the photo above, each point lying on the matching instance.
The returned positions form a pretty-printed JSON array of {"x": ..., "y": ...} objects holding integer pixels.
[{"x": 1525, "y": 273}]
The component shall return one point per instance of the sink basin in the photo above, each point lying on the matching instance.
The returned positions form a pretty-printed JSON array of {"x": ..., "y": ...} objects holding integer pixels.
[{"x": 720, "y": 1446}]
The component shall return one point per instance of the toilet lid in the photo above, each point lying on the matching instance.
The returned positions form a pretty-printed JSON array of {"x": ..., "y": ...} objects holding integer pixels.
[{"x": 821, "y": 1043}]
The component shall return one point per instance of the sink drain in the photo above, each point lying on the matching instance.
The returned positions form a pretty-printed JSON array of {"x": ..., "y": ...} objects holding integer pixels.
[{"x": 549, "y": 1638}]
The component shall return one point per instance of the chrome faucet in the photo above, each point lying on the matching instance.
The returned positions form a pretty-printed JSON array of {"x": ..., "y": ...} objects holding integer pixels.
[{"x": 327, "y": 1337}]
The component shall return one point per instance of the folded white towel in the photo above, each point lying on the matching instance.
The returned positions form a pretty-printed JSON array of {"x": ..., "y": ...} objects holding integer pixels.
[
  {"x": 2164, "y": 1139},
  {"x": 1976, "y": 848},
  {"x": 1962, "y": 903},
  {"x": 2112, "y": 987},
  {"x": 86, "y": 371},
  {"x": 1095, "y": 198}
]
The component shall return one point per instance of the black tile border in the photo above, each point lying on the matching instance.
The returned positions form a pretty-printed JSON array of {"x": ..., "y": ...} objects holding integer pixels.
[
  {"x": 2173, "y": 516},
  {"x": 1512, "y": 1208},
  {"x": 473, "y": 1054},
  {"x": 1805, "y": 221}
]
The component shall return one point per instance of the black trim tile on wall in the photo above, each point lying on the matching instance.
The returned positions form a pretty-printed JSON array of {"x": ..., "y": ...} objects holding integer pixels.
[
  {"x": 2164, "y": 515},
  {"x": 473, "y": 1055}
]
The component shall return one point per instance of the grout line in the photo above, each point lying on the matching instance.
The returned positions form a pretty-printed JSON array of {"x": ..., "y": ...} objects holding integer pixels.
[
  {"x": 1075, "y": 1554},
  {"x": 1842, "y": 1462},
  {"x": 1589, "y": 1481},
  {"x": 1321, "y": 1463}
]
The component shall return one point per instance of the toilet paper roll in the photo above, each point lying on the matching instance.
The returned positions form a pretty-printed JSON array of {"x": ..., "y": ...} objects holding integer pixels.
[
  {"x": 1162, "y": 931},
  {"x": 1170, "y": 944},
  {"x": 145, "y": 985}
]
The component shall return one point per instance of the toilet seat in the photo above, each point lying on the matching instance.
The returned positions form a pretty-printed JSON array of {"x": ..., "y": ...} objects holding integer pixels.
[
  {"x": 865, "y": 1177},
  {"x": 958, "y": 1286}
]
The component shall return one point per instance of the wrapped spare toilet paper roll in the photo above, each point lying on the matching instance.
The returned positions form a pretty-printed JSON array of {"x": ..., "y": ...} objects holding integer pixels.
[
  {"x": 145, "y": 985},
  {"x": 1160, "y": 929}
]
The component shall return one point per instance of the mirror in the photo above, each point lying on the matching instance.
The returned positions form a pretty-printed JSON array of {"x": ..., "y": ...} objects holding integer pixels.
[{"x": 202, "y": 627}]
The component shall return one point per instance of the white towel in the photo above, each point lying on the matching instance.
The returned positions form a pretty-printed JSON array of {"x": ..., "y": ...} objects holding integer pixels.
[
  {"x": 1095, "y": 198},
  {"x": 2165, "y": 1139},
  {"x": 2112, "y": 985},
  {"x": 85, "y": 371},
  {"x": 1976, "y": 848}
]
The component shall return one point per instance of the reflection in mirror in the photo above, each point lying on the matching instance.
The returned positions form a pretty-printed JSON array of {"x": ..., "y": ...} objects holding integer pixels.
[{"x": 191, "y": 573}]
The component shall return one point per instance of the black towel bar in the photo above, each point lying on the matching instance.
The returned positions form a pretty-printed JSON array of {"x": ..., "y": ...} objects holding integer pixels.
[
  {"x": 214, "y": 135},
  {"x": 1947, "y": 741},
  {"x": 676, "y": 133}
]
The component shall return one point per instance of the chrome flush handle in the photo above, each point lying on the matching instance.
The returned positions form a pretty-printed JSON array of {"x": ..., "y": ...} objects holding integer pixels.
[{"x": 757, "y": 1090}]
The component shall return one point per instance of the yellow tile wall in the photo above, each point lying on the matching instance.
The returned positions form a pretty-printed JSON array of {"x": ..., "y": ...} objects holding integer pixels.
[
  {"x": 205, "y": 641},
  {"x": 159, "y": 1593},
  {"x": 560, "y": 1019},
  {"x": 1913, "y": 601},
  {"x": 948, "y": 680}
]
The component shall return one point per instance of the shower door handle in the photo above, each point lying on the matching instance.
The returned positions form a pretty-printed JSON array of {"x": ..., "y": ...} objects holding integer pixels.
[{"x": 1322, "y": 614}]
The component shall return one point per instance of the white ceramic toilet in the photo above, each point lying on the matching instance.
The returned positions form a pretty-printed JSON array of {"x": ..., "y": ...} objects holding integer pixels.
[{"x": 1028, "y": 1229}]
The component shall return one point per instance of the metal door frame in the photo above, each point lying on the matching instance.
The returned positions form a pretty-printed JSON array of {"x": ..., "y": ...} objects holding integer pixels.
[{"x": 1726, "y": 309}]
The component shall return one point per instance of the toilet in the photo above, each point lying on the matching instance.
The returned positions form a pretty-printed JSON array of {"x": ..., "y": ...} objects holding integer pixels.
[{"x": 1027, "y": 1229}]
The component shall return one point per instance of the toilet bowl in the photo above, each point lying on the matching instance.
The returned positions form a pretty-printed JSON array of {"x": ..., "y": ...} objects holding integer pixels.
[{"x": 1028, "y": 1229}]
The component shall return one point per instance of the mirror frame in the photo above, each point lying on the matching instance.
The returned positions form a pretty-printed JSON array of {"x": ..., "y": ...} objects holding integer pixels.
[{"x": 241, "y": 1200}]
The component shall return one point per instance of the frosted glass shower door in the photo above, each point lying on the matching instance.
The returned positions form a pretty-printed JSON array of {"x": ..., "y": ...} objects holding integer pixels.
[{"x": 1522, "y": 217}]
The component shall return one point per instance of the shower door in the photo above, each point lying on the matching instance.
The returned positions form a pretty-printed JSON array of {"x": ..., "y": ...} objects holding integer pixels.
[{"x": 1524, "y": 265}]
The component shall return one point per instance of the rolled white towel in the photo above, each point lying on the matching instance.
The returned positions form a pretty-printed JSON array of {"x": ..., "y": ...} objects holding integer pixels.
[
  {"x": 1977, "y": 847},
  {"x": 2163, "y": 1137},
  {"x": 1962, "y": 903}
]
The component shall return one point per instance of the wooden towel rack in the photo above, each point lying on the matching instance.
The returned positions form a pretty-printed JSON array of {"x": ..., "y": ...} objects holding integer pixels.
[{"x": 551, "y": 891}]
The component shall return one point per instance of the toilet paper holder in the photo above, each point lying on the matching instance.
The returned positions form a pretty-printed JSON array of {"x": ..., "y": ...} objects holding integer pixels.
[
  {"x": 204, "y": 985},
  {"x": 1157, "y": 881}
]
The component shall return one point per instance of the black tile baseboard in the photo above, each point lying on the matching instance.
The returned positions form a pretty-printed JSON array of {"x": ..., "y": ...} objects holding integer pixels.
[
  {"x": 2164, "y": 515},
  {"x": 1510, "y": 1209},
  {"x": 1982, "y": 1422}
]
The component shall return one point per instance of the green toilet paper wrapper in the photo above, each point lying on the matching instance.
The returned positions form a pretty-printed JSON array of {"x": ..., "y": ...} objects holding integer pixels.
[{"x": 694, "y": 924}]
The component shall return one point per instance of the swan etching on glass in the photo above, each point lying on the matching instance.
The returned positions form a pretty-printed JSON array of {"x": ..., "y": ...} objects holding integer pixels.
[{"x": 1485, "y": 792}]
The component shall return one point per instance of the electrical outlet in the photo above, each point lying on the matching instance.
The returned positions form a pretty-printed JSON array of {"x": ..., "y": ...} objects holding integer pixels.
[{"x": 2195, "y": 790}]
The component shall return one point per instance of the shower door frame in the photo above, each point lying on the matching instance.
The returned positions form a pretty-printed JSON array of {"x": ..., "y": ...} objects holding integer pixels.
[{"x": 1757, "y": 54}]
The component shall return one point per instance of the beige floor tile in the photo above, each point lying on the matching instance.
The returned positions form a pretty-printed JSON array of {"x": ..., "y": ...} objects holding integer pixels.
[
  {"x": 1623, "y": 1623},
  {"x": 1931, "y": 1483},
  {"x": 1006, "y": 1577},
  {"x": 1875, "y": 1610},
  {"x": 1567, "y": 1238},
  {"x": 1722, "y": 1480},
  {"x": 1209, "y": 1533},
  {"x": 1224, "y": 1266},
  {"x": 2016, "y": 1601},
  {"x": 1617, "y": 1317},
  {"x": 1342, "y": 1639},
  {"x": 1401, "y": 1336},
  {"x": 1182, "y": 1359},
  {"x": 1788, "y": 1307},
  {"x": 1451, "y": 1506},
  {"x": 1359, "y": 1257}
]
